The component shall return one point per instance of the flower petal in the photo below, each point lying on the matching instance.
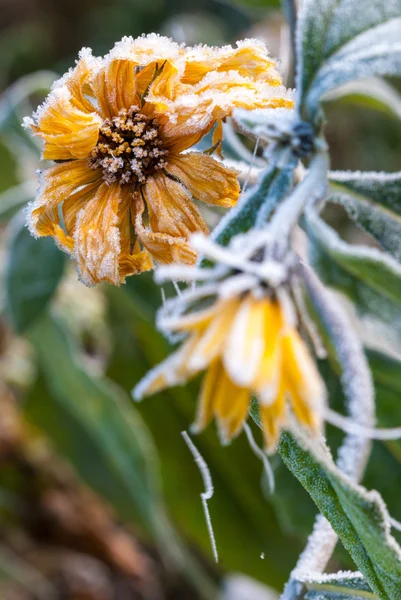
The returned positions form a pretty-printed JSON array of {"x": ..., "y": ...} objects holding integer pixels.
[
  {"x": 97, "y": 237},
  {"x": 205, "y": 178},
  {"x": 172, "y": 371},
  {"x": 206, "y": 400},
  {"x": 231, "y": 404},
  {"x": 244, "y": 347},
  {"x": 132, "y": 260},
  {"x": 115, "y": 87},
  {"x": 273, "y": 417},
  {"x": 213, "y": 338},
  {"x": 171, "y": 209},
  {"x": 249, "y": 58},
  {"x": 78, "y": 80},
  {"x": 68, "y": 131},
  {"x": 57, "y": 184},
  {"x": 267, "y": 380},
  {"x": 303, "y": 380},
  {"x": 163, "y": 247},
  {"x": 172, "y": 218}
]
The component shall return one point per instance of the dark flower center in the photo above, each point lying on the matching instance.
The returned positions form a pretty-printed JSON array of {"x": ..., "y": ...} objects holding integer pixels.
[{"x": 129, "y": 148}]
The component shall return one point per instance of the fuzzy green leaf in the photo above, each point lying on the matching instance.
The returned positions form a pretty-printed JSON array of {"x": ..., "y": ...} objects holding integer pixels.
[
  {"x": 338, "y": 42},
  {"x": 373, "y": 201},
  {"x": 341, "y": 586},
  {"x": 257, "y": 204},
  {"x": 94, "y": 424},
  {"x": 358, "y": 517},
  {"x": 34, "y": 270},
  {"x": 374, "y": 93},
  {"x": 369, "y": 278}
]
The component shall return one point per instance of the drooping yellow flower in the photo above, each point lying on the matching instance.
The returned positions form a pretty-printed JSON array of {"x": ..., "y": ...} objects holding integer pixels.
[
  {"x": 119, "y": 129},
  {"x": 248, "y": 347}
]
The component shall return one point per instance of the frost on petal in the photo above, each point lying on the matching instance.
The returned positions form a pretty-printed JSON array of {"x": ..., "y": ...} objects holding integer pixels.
[
  {"x": 145, "y": 49},
  {"x": 163, "y": 247},
  {"x": 212, "y": 340},
  {"x": 97, "y": 237},
  {"x": 205, "y": 178},
  {"x": 57, "y": 184},
  {"x": 78, "y": 80},
  {"x": 68, "y": 132},
  {"x": 308, "y": 395},
  {"x": 250, "y": 58},
  {"x": 172, "y": 371},
  {"x": 245, "y": 343},
  {"x": 171, "y": 210}
]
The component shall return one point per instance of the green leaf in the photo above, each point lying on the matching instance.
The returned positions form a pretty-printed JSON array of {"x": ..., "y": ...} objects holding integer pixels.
[
  {"x": 373, "y": 201},
  {"x": 374, "y": 93},
  {"x": 34, "y": 270},
  {"x": 338, "y": 42},
  {"x": 358, "y": 517},
  {"x": 94, "y": 424},
  {"x": 374, "y": 268},
  {"x": 257, "y": 204},
  {"x": 368, "y": 277},
  {"x": 341, "y": 586}
]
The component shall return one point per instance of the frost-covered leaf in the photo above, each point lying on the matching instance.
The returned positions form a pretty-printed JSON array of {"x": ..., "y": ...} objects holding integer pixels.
[
  {"x": 374, "y": 93},
  {"x": 338, "y": 586},
  {"x": 340, "y": 40},
  {"x": 373, "y": 201},
  {"x": 257, "y": 204},
  {"x": 358, "y": 517},
  {"x": 367, "y": 276},
  {"x": 374, "y": 268},
  {"x": 34, "y": 270}
]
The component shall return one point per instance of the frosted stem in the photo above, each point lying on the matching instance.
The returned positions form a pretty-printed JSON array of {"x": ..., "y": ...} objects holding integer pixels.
[
  {"x": 358, "y": 389},
  {"x": 310, "y": 190}
]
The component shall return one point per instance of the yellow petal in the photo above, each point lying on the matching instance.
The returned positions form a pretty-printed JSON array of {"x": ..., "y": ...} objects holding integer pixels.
[
  {"x": 57, "y": 184},
  {"x": 133, "y": 259},
  {"x": 303, "y": 380},
  {"x": 250, "y": 58},
  {"x": 97, "y": 238},
  {"x": 213, "y": 338},
  {"x": 273, "y": 418},
  {"x": 75, "y": 202},
  {"x": 177, "y": 137},
  {"x": 268, "y": 377},
  {"x": 172, "y": 371},
  {"x": 78, "y": 81},
  {"x": 163, "y": 247},
  {"x": 232, "y": 426},
  {"x": 115, "y": 88},
  {"x": 206, "y": 403},
  {"x": 171, "y": 209},
  {"x": 193, "y": 321},
  {"x": 68, "y": 132},
  {"x": 245, "y": 344},
  {"x": 231, "y": 404},
  {"x": 205, "y": 178}
]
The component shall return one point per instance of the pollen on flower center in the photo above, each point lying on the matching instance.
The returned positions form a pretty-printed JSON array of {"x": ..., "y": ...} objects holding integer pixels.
[{"x": 129, "y": 147}]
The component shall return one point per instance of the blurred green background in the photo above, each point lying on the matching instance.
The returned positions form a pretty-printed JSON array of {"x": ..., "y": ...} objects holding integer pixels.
[{"x": 99, "y": 499}]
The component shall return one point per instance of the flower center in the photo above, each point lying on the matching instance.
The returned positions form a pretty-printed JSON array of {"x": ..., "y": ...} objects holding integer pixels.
[{"x": 129, "y": 147}]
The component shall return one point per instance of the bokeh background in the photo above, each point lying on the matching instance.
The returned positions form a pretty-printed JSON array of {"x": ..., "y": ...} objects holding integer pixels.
[{"x": 100, "y": 499}]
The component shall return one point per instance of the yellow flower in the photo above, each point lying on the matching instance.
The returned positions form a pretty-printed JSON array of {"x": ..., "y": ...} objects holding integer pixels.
[
  {"x": 249, "y": 346},
  {"x": 119, "y": 129}
]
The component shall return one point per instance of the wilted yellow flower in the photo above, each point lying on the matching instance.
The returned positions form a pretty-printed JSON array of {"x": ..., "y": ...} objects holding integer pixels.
[
  {"x": 249, "y": 347},
  {"x": 120, "y": 128}
]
